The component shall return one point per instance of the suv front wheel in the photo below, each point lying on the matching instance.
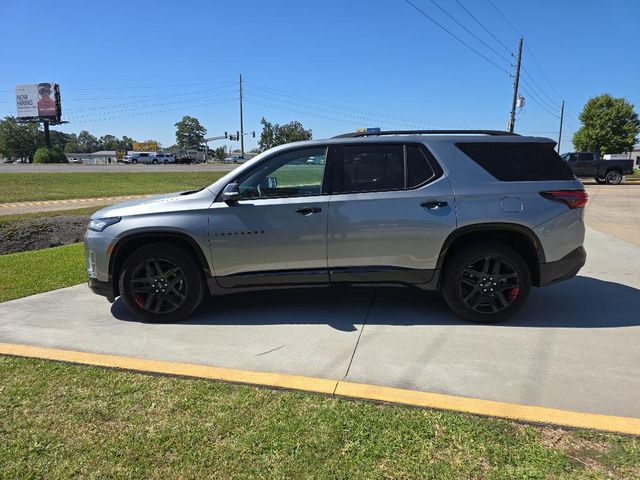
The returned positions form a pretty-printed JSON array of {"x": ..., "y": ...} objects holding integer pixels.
[
  {"x": 486, "y": 283},
  {"x": 160, "y": 283}
]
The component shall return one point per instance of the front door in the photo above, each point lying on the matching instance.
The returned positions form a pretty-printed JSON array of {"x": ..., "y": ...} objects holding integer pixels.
[
  {"x": 276, "y": 233},
  {"x": 389, "y": 215}
]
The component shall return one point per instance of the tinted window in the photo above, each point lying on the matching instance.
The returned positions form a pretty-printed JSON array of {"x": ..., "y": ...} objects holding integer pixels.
[
  {"x": 418, "y": 168},
  {"x": 291, "y": 174},
  {"x": 516, "y": 162},
  {"x": 371, "y": 168}
]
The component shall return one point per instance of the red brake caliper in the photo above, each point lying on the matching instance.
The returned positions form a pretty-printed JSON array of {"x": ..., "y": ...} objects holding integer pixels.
[
  {"x": 513, "y": 293},
  {"x": 139, "y": 300}
]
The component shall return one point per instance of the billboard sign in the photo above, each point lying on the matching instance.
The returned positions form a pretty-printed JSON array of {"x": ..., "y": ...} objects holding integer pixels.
[
  {"x": 38, "y": 101},
  {"x": 145, "y": 146}
]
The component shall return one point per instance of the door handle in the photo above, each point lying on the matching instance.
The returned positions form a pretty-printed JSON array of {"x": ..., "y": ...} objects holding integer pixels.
[
  {"x": 308, "y": 210},
  {"x": 434, "y": 204}
]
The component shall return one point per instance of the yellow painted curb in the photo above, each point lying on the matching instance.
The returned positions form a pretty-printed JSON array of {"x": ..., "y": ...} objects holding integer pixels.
[
  {"x": 490, "y": 408},
  {"x": 295, "y": 382},
  {"x": 339, "y": 388}
]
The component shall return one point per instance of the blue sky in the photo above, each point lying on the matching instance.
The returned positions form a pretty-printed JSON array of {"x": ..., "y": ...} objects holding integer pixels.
[{"x": 135, "y": 68}]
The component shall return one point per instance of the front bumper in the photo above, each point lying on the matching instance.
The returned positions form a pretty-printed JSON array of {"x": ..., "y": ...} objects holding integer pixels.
[
  {"x": 563, "y": 269},
  {"x": 104, "y": 289}
]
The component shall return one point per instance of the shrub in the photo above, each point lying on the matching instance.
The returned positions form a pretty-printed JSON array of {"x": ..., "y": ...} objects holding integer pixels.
[{"x": 49, "y": 155}]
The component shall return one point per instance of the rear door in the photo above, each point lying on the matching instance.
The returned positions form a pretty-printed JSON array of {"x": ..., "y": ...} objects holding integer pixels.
[{"x": 390, "y": 212}]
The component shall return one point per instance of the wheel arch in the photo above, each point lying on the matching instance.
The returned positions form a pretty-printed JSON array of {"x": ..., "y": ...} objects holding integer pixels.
[
  {"x": 520, "y": 238},
  {"x": 127, "y": 245}
]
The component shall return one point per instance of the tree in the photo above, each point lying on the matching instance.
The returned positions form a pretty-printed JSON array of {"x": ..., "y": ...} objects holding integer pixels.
[
  {"x": 109, "y": 142},
  {"x": 87, "y": 142},
  {"x": 609, "y": 125},
  {"x": 273, "y": 134},
  {"x": 49, "y": 155},
  {"x": 18, "y": 140},
  {"x": 190, "y": 133},
  {"x": 220, "y": 153}
]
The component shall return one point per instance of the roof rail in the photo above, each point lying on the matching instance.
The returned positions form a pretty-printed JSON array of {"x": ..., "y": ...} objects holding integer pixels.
[{"x": 425, "y": 132}]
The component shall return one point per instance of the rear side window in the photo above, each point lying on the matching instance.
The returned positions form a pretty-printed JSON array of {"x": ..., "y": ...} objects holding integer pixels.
[
  {"x": 373, "y": 168},
  {"x": 518, "y": 162},
  {"x": 382, "y": 167},
  {"x": 418, "y": 168}
]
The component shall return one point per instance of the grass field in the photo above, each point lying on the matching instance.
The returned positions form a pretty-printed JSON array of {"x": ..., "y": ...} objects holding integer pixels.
[
  {"x": 28, "y": 273},
  {"x": 20, "y": 187},
  {"x": 69, "y": 421}
]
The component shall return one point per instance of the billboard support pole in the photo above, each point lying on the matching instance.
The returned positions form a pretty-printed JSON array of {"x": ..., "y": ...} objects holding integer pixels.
[{"x": 47, "y": 135}]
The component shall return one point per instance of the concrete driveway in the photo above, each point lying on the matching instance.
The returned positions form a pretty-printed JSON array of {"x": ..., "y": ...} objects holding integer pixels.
[{"x": 576, "y": 346}]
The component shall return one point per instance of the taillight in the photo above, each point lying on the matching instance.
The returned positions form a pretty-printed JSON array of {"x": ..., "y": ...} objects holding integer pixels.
[{"x": 571, "y": 198}]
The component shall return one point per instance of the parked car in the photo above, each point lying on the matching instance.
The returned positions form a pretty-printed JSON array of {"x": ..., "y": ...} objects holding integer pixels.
[
  {"x": 165, "y": 158},
  {"x": 142, "y": 157},
  {"x": 477, "y": 216},
  {"x": 589, "y": 164},
  {"x": 235, "y": 159},
  {"x": 76, "y": 161}
]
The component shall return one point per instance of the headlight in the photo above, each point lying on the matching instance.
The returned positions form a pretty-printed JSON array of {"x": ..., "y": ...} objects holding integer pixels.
[{"x": 99, "y": 224}]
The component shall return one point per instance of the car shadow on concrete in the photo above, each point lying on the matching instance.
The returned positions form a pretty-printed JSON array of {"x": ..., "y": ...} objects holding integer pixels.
[{"x": 582, "y": 302}]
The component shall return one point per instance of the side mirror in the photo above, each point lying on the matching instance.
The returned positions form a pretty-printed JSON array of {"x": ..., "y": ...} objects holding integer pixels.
[
  {"x": 231, "y": 193},
  {"x": 272, "y": 182}
]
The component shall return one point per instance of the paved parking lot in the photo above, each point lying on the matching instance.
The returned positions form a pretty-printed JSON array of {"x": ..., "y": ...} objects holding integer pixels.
[
  {"x": 615, "y": 209},
  {"x": 574, "y": 347}
]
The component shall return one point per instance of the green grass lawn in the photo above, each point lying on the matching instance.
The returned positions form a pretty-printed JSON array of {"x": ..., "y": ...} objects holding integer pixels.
[
  {"x": 69, "y": 421},
  {"x": 20, "y": 187},
  {"x": 28, "y": 273}
]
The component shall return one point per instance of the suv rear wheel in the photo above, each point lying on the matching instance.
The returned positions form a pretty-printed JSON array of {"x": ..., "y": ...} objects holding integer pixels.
[
  {"x": 160, "y": 283},
  {"x": 486, "y": 283}
]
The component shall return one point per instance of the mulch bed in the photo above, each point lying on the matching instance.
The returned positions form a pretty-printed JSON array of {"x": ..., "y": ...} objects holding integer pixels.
[{"x": 39, "y": 233}]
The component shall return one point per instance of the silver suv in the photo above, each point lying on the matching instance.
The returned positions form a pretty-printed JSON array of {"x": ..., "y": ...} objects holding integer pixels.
[{"x": 479, "y": 216}]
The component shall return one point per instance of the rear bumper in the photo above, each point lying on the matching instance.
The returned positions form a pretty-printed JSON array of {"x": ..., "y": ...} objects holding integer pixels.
[
  {"x": 104, "y": 289},
  {"x": 563, "y": 269}
]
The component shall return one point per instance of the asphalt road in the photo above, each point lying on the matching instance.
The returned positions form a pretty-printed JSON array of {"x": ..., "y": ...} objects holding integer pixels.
[
  {"x": 69, "y": 168},
  {"x": 574, "y": 346}
]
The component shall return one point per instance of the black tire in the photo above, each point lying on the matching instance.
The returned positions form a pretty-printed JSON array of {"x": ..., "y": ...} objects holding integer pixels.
[
  {"x": 154, "y": 162},
  {"x": 599, "y": 181},
  {"x": 470, "y": 279},
  {"x": 166, "y": 161},
  {"x": 613, "y": 177},
  {"x": 160, "y": 283},
  {"x": 134, "y": 162}
]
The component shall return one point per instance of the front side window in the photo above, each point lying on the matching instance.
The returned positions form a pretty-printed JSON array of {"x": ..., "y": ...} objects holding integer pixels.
[{"x": 291, "y": 174}]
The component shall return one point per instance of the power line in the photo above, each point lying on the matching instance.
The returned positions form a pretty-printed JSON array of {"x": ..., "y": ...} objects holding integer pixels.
[
  {"x": 470, "y": 32},
  {"x": 541, "y": 105},
  {"x": 456, "y": 37},
  {"x": 539, "y": 88},
  {"x": 485, "y": 28},
  {"x": 505, "y": 19},
  {"x": 540, "y": 69},
  {"x": 538, "y": 96}
]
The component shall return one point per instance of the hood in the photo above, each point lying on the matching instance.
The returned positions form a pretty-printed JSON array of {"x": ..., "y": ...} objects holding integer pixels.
[{"x": 169, "y": 202}]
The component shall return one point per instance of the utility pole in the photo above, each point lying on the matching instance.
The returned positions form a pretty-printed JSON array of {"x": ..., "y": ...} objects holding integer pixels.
[
  {"x": 560, "y": 132},
  {"x": 47, "y": 135},
  {"x": 516, "y": 83},
  {"x": 241, "y": 122}
]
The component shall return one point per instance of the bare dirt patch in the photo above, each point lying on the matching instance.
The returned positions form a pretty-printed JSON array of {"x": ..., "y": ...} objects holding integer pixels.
[{"x": 38, "y": 233}]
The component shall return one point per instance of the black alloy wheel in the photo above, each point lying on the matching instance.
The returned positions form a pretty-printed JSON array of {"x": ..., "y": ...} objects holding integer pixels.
[
  {"x": 161, "y": 283},
  {"x": 158, "y": 285},
  {"x": 487, "y": 282}
]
